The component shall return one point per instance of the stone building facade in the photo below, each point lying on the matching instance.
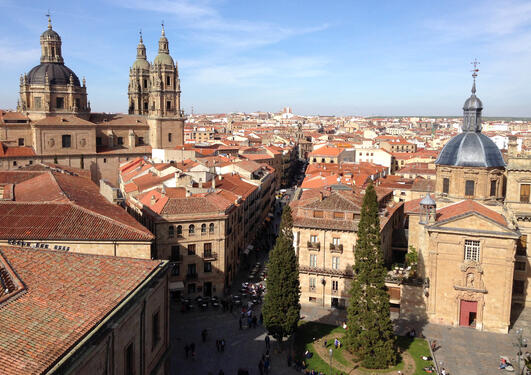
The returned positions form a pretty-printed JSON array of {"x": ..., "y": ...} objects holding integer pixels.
[
  {"x": 54, "y": 122},
  {"x": 471, "y": 237}
]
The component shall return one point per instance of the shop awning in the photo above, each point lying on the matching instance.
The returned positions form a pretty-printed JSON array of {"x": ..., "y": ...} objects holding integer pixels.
[{"x": 176, "y": 285}]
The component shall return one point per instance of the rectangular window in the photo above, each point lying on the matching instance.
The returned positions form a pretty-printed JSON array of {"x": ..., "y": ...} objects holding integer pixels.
[
  {"x": 141, "y": 141},
  {"x": 312, "y": 282},
  {"x": 175, "y": 253},
  {"x": 78, "y": 103},
  {"x": 120, "y": 141},
  {"x": 493, "y": 188},
  {"x": 207, "y": 267},
  {"x": 335, "y": 285},
  {"x": 129, "y": 365},
  {"x": 155, "y": 330},
  {"x": 335, "y": 263},
  {"x": 469, "y": 188},
  {"x": 168, "y": 81},
  {"x": 519, "y": 266},
  {"x": 145, "y": 106},
  {"x": 207, "y": 250},
  {"x": 98, "y": 141},
  {"x": 171, "y": 231},
  {"x": 37, "y": 102},
  {"x": 59, "y": 103},
  {"x": 175, "y": 270},
  {"x": 336, "y": 240},
  {"x": 21, "y": 141},
  {"x": 169, "y": 137},
  {"x": 313, "y": 238},
  {"x": 518, "y": 287},
  {"x": 446, "y": 185},
  {"x": 66, "y": 140},
  {"x": 318, "y": 214},
  {"x": 313, "y": 260},
  {"x": 145, "y": 86},
  {"x": 339, "y": 215},
  {"x": 192, "y": 270},
  {"x": 168, "y": 105},
  {"x": 524, "y": 193},
  {"x": 191, "y": 249},
  {"x": 472, "y": 250},
  {"x": 521, "y": 246}
]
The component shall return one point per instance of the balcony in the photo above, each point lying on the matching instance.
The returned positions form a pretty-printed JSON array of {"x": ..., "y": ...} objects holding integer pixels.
[
  {"x": 314, "y": 246},
  {"x": 209, "y": 255},
  {"x": 335, "y": 248},
  {"x": 191, "y": 276}
]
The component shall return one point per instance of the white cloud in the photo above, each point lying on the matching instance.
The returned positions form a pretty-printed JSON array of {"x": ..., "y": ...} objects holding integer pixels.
[{"x": 207, "y": 25}]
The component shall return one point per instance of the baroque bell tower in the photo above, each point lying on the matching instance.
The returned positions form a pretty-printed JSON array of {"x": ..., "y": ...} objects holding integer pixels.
[
  {"x": 165, "y": 118},
  {"x": 139, "y": 82}
]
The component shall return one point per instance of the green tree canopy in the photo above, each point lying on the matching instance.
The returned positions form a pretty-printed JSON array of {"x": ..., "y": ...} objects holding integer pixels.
[{"x": 370, "y": 330}]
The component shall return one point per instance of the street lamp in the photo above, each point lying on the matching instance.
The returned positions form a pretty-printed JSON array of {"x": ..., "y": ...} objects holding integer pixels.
[
  {"x": 520, "y": 343},
  {"x": 331, "y": 352}
]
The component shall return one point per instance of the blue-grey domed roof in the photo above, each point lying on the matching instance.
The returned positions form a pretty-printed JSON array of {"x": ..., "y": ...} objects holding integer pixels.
[
  {"x": 58, "y": 74},
  {"x": 473, "y": 103},
  {"x": 471, "y": 149}
]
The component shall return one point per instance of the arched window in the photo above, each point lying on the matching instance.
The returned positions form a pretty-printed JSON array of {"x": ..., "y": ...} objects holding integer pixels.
[
  {"x": 179, "y": 230},
  {"x": 170, "y": 231},
  {"x": 191, "y": 229},
  {"x": 211, "y": 228},
  {"x": 203, "y": 228}
]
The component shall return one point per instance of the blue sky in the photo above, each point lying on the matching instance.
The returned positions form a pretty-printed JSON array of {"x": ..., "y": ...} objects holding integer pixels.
[{"x": 335, "y": 57}]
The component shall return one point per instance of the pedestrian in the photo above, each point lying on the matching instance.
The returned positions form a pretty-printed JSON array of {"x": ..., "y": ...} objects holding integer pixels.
[
  {"x": 249, "y": 322},
  {"x": 336, "y": 342},
  {"x": 222, "y": 345},
  {"x": 434, "y": 345},
  {"x": 186, "y": 350},
  {"x": 261, "y": 367},
  {"x": 240, "y": 322},
  {"x": 267, "y": 342},
  {"x": 266, "y": 365},
  {"x": 204, "y": 335}
]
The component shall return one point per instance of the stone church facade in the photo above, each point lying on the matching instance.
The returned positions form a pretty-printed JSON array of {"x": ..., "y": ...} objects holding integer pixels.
[
  {"x": 472, "y": 235},
  {"x": 54, "y": 122}
]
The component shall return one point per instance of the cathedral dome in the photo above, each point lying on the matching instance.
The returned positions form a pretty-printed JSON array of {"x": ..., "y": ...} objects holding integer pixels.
[
  {"x": 140, "y": 64},
  {"x": 163, "y": 59},
  {"x": 58, "y": 74},
  {"x": 471, "y": 149}
]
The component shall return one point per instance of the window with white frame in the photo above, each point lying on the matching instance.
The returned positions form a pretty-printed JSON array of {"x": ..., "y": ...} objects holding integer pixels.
[
  {"x": 313, "y": 238},
  {"x": 472, "y": 250},
  {"x": 335, "y": 263},
  {"x": 313, "y": 260},
  {"x": 312, "y": 282},
  {"x": 335, "y": 240}
]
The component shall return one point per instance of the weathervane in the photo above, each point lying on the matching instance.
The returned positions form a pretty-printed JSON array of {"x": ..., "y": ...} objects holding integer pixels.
[
  {"x": 474, "y": 71},
  {"x": 49, "y": 19},
  {"x": 162, "y": 24}
]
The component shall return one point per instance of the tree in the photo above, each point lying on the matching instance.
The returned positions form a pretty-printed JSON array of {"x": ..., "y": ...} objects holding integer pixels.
[
  {"x": 412, "y": 259},
  {"x": 281, "y": 307},
  {"x": 370, "y": 330}
]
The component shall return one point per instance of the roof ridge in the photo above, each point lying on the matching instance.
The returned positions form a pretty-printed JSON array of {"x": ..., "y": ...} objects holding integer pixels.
[{"x": 107, "y": 218}]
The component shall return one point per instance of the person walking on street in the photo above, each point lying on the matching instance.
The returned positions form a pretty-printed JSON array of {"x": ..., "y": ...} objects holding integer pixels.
[{"x": 267, "y": 342}]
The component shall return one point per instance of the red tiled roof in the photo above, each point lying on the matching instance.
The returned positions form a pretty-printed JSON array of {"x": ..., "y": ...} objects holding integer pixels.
[
  {"x": 468, "y": 206},
  {"x": 326, "y": 151},
  {"x": 66, "y": 296},
  {"x": 13, "y": 151}
]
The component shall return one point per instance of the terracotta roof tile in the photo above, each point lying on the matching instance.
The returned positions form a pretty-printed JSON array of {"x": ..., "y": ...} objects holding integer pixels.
[
  {"x": 468, "y": 206},
  {"x": 67, "y": 295}
]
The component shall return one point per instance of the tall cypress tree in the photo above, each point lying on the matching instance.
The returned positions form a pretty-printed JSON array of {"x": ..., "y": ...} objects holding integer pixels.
[
  {"x": 370, "y": 330},
  {"x": 281, "y": 307}
]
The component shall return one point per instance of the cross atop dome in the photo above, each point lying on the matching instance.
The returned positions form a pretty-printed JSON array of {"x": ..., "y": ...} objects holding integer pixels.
[{"x": 474, "y": 71}]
